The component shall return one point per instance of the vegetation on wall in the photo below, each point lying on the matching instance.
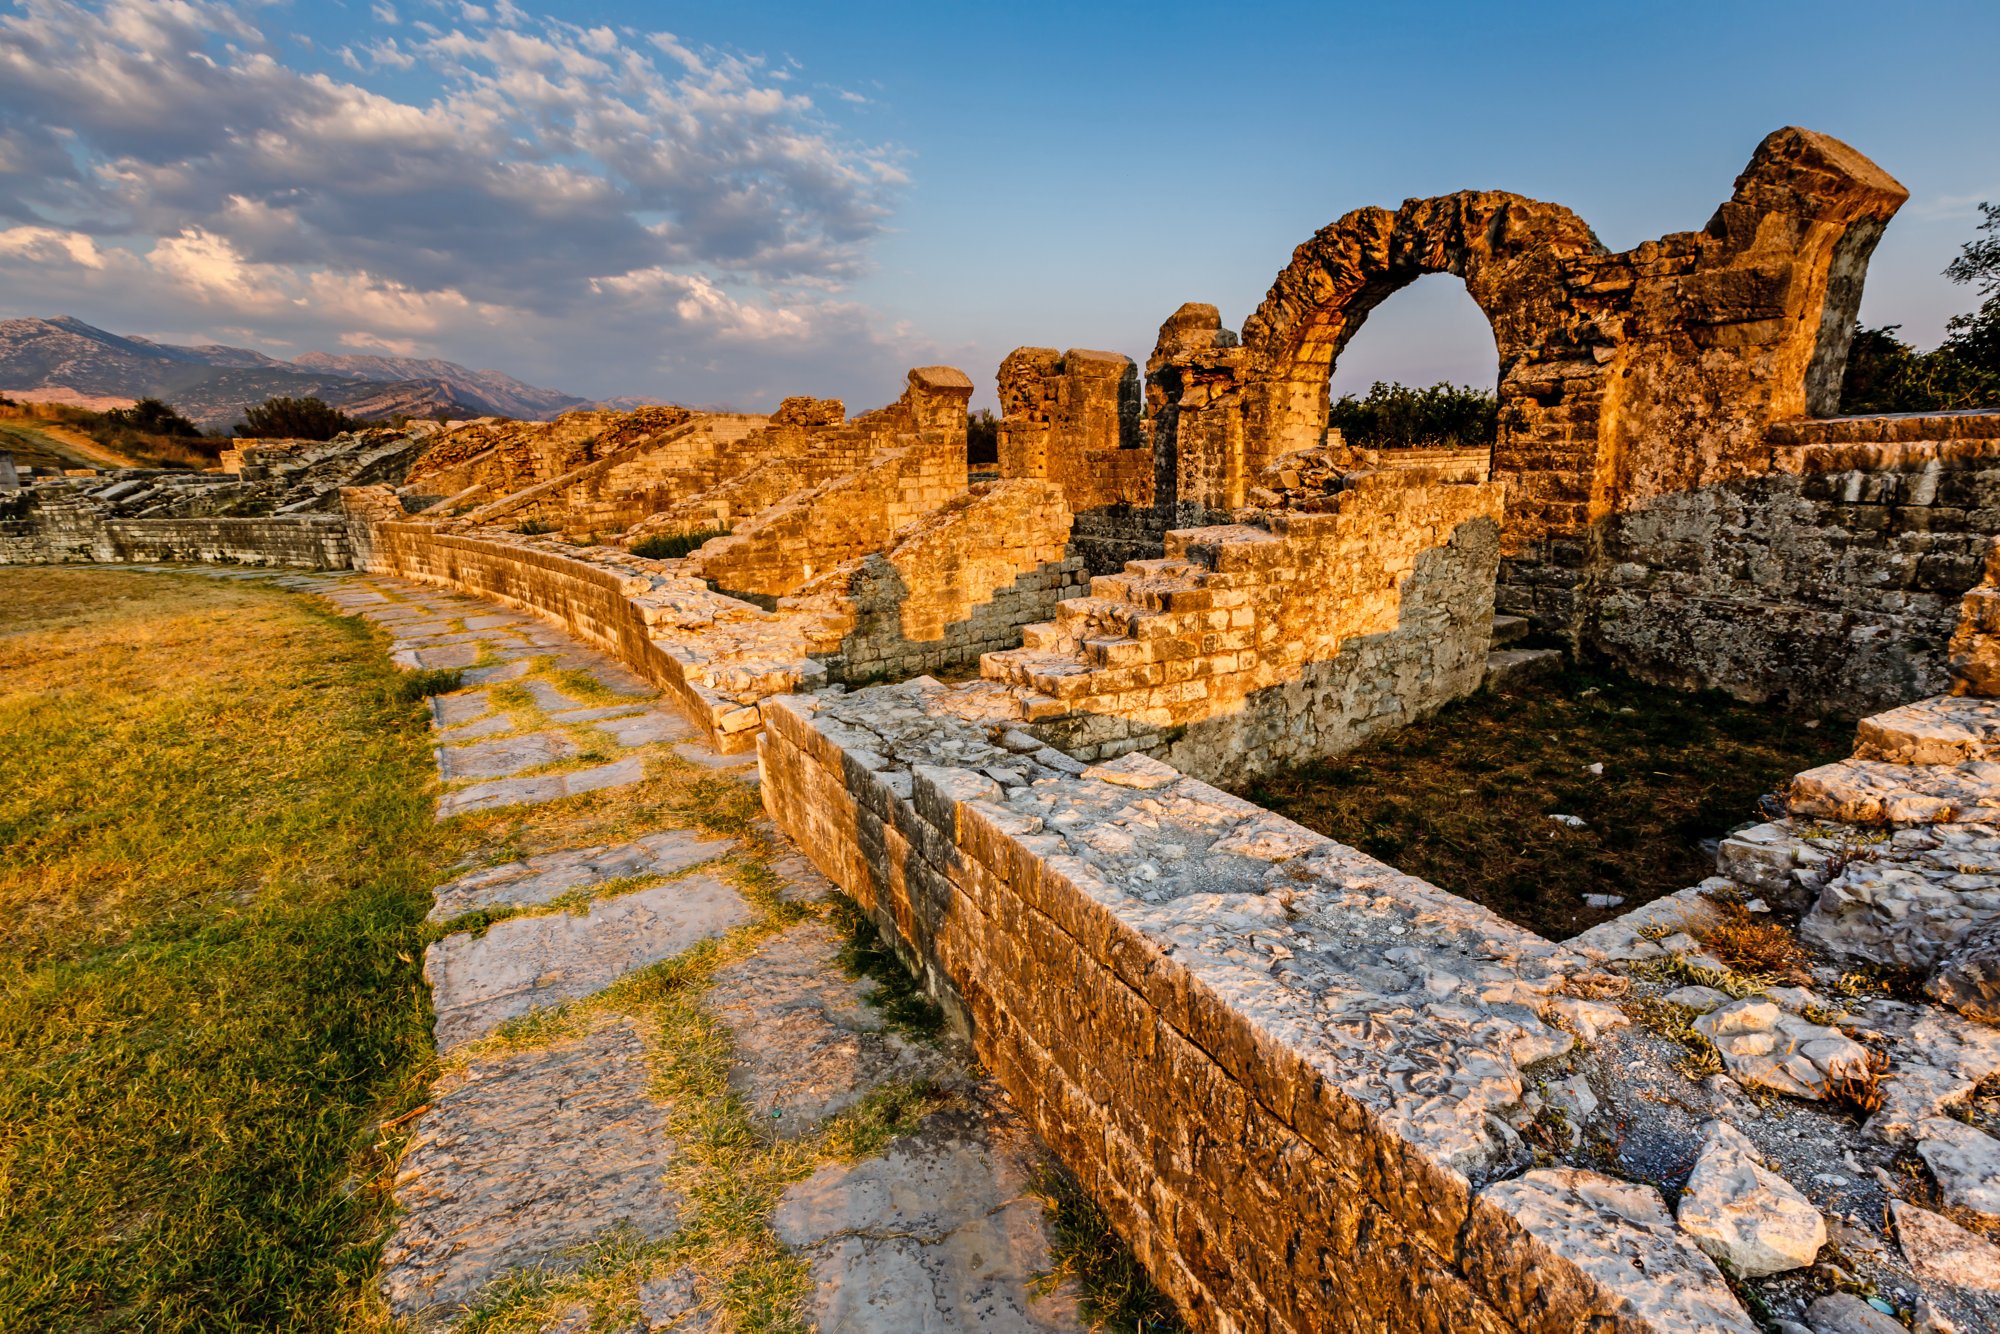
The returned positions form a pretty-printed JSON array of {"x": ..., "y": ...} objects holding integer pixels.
[
  {"x": 1395, "y": 416},
  {"x": 672, "y": 546},
  {"x": 1885, "y": 374}
]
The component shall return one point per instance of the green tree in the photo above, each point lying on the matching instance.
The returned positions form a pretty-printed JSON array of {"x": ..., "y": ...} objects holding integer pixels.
[
  {"x": 1395, "y": 416},
  {"x": 294, "y": 419},
  {"x": 150, "y": 416},
  {"x": 1885, "y": 374},
  {"x": 982, "y": 437}
]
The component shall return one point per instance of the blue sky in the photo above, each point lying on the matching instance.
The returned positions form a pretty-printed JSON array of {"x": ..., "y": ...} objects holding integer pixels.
[{"x": 727, "y": 203}]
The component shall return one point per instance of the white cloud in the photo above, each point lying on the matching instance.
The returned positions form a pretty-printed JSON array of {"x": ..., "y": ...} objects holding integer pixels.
[{"x": 556, "y": 180}]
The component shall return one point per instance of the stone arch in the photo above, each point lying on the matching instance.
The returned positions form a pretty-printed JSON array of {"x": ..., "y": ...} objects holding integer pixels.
[{"x": 1509, "y": 251}]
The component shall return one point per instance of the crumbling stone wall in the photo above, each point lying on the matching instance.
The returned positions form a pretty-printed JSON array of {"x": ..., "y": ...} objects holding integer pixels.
[
  {"x": 1249, "y": 648},
  {"x": 778, "y": 550},
  {"x": 1623, "y": 376},
  {"x": 504, "y": 456},
  {"x": 1830, "y": 584},
  {"x": 958, "y": 583},
  {"x": 633, "y": 476},
  {"x": 1279, "y": 1065},
  {"x": 51, "y": 525},
  {"x": 1075, "y": 418},
  {"x": 810, "y": 442}
]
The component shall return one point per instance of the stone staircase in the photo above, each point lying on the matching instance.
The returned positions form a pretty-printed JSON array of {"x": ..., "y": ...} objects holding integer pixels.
[
  {"x": 1932, "y": 762},
  {"x": 1508, "y": 666},
  {"x": 1122, "y": 626}
]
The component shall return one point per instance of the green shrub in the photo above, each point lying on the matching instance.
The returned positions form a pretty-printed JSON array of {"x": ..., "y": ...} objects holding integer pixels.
[
  {"x": 982, "y": 438},
  {"x": 1885, "y": 374},
  {"x": 535, "y": 528},
  {"x": 293, "y": 419},
  {"x": 672, "y": 546},
  {"x": 1395, "y": 416},
  {"x": 150, "y": 416}
]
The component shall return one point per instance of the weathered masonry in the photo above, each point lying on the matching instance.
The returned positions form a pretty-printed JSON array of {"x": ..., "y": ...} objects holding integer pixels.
[{"x": 1313, "y": 1092}]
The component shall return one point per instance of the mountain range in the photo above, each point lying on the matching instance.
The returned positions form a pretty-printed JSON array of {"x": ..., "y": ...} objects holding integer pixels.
[{"x": 213, "y": 384}]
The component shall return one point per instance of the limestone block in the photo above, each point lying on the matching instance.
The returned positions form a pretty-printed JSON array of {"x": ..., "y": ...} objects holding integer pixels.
[
  {"x": 1942, "y": 1252},
  {"x": 528, "y": 963},
  {"x": 1905, "y": 914},
  {"x": 1745, "y": 1215},
  {"x": 523, "y": 1158},
  {"x": 1965, "y": 1162},
  {"x": 1618, "y": 1235},
  {"x": 1968, "y": 973}
]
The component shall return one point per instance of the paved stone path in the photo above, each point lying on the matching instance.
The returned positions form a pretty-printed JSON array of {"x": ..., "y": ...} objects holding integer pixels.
[{"x": 546, "y": 1182}]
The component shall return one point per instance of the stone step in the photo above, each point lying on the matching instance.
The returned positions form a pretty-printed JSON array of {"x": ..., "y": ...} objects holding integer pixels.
[
  {"x": 1117, "y": 652},
  {"x": 1945, "y": 729},
  {"x": 1164, "y": 567},
  {"x": 1149, "y": 592},
  {"x": 1079, "y": 616},
  {"x": 1038, "y": 671},
  {"x": 1509, "y": 630},
  {"x": 1861, "y": 791},
  {"x": 1511, "y": 668},
  {"x": 1047, "y": 637}
]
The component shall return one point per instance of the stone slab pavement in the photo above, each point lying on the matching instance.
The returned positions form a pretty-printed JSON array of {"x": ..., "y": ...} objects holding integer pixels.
[{"x": 532, "y": 1152}]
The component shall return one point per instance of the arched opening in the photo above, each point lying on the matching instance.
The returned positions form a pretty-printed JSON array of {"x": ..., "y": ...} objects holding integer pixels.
[{"x": 1420, "y": 373}]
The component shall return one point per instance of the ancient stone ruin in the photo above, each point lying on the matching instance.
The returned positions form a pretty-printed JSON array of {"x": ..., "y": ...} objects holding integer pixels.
[{"x": 1311, "y": 1091}]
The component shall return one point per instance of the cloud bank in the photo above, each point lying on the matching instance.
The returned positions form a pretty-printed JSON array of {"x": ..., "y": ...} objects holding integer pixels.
[{"x": 611, "y": 211}]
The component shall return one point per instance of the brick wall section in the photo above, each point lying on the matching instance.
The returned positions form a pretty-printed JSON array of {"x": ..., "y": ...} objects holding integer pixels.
[
  {"x": 37, "y": 528},
  {"x": 958, "y": 583},
  {"x": 1830, "y": 585},
  {"x": 1247, "y": 649},
  {"x": 1255, "y": 1053},
  {"x": 778, "y": 550}
]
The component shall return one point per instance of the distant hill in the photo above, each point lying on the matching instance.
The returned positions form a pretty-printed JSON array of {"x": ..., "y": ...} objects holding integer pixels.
[{"x": 213, "y": 384}]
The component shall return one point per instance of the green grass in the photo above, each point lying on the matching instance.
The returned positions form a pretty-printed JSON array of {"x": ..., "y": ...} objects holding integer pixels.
[
  {"x": 1463, "y": 799},
  {"x": 216, "y": 842}
]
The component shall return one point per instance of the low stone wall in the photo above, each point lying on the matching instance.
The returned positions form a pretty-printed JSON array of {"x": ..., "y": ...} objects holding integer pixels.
[
  {"x": 618, "y": 611},
  {"x": 40, "y": 530},
  {"x": 1280, "y": 1066},
  {"x": 1832, "y": 585}
]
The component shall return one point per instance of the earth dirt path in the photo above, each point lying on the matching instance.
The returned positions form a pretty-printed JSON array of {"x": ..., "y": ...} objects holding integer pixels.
[{"x": 579, "y": 1164}]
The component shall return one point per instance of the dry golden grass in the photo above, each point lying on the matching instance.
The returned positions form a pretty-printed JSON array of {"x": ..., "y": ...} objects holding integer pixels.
[{"x": 216, "y": 847}]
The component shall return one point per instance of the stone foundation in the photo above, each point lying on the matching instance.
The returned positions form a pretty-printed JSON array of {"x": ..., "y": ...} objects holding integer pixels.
[
  {"x": 1830, "y": 584},
  {"x": 1250, "y": 648},
  {"x": 1275, "y": 1062},
  {"x": 55, "y": 534}
]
